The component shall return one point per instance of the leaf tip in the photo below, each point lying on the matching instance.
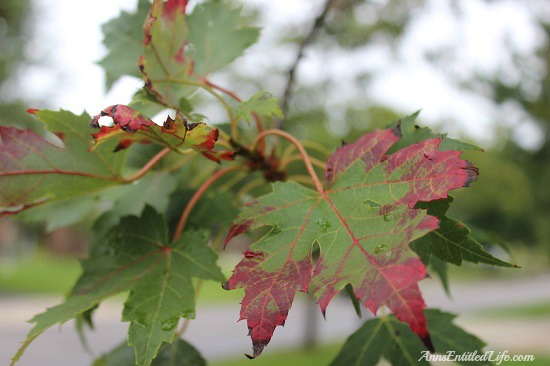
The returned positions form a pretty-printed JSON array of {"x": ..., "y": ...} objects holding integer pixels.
[
  {"x": 428, "y": 343},
  {"x": 471, "y": 173},
  {"x": 397, "y": 130}
]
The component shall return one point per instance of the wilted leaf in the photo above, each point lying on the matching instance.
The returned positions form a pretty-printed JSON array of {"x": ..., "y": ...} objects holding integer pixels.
[
  {"x": 131, "y": 126},
  {"x": 363, "y": 220}
]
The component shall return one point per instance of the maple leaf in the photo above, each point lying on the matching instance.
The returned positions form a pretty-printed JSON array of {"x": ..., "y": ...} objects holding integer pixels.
[
  {"x": 132, "y": 126},
  {"x": 123, "y": 38},
  {"x": 385, "y": 337},
  {"x": 362, "y": 219},
  {"x": 181, "y": 50},
  {"x": 35, "y": 169},
  {"x": 261, "y": 103},
  {"x": 136, "y": 255},
  {"x": 451, "y": 243}
]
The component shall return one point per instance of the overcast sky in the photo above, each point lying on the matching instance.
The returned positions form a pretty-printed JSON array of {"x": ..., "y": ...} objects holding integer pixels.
[{"x": 69, "y": 36}]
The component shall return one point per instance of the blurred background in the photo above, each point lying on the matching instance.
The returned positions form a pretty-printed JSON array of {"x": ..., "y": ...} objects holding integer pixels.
[{"x": 478, "y": 70}]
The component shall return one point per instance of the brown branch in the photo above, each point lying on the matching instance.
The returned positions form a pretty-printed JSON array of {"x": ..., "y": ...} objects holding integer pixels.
[{"x": 317, "y": 24}]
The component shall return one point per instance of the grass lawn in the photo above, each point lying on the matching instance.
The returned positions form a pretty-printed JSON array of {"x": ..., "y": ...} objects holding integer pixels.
[
  {"x": 41, "y": 273},
  {"x": 537, "y": 310},
  {"x": 319, "y": 356}
]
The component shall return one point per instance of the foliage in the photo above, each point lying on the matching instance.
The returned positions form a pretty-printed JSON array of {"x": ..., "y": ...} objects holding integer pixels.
[
  {"x": 161, "y": 236},
  {"x": 387, "y": 337}
]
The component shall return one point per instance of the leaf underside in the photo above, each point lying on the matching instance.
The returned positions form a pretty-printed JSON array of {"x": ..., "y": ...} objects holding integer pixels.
[{"x": 363, "y": 220}]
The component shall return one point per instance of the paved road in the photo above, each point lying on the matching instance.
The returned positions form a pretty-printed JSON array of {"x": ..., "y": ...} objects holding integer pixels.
[{"x": 216, "y": 333}]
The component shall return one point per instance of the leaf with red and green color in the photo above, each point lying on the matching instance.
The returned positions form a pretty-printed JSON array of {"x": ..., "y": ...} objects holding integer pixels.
[
  {"x": 386, "y": 337},
  {"x": 131, "y": 126},
  {"x": 34, "y": 170},
  {"x": 363, "y": 220},
  {"x": 136, "y": 255},
  {"x": 181, "y": 50}
]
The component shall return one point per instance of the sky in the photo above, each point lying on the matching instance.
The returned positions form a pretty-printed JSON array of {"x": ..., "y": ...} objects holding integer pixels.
[{"x": 69, "y": 37}]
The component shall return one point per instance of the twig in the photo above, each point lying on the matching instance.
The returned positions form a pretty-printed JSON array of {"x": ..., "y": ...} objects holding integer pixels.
[
  {"x": 299, "y": 147},
  {"x": 154, "y": 160},
  {"x": 198, "y": 193},
  {"x": 319, "y": 21}
]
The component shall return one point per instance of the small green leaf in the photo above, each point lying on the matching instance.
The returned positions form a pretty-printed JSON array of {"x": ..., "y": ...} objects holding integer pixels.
[
  {"x": 412, "y": 133},
  {"x": 180, "y": 353},
  {"x": 261, "y": 103},
  {"x": 388, "y": 338}
]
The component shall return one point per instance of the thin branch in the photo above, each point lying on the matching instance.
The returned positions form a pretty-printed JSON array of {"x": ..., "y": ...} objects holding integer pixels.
[
  {"x": 317, "y": 24},
  {"x": 316, "y": 162},
  {"x": 301, "y": 150},
  {"x": 198, "y": 193},
  {"x": 154, "y": 160}
]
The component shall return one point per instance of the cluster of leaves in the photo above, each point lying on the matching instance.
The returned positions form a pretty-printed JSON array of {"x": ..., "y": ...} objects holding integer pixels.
[{"x": 353, "y": 230}]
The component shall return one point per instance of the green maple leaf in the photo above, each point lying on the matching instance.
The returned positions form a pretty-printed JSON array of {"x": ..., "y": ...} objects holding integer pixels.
[
  {"x": 123, "y": 37},
  {"x": 216, "y": 37},
  {"x": 34, "y": 170},
  {"x": 261, "y": 103},
  {"x": 451, "y": 243},
  {"x": 386, "y": 337},
  {"x": 137, "y": 256}
]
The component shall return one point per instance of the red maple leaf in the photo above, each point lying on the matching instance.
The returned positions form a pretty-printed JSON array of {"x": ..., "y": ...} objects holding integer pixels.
[{"x": 363, "y": 221}]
